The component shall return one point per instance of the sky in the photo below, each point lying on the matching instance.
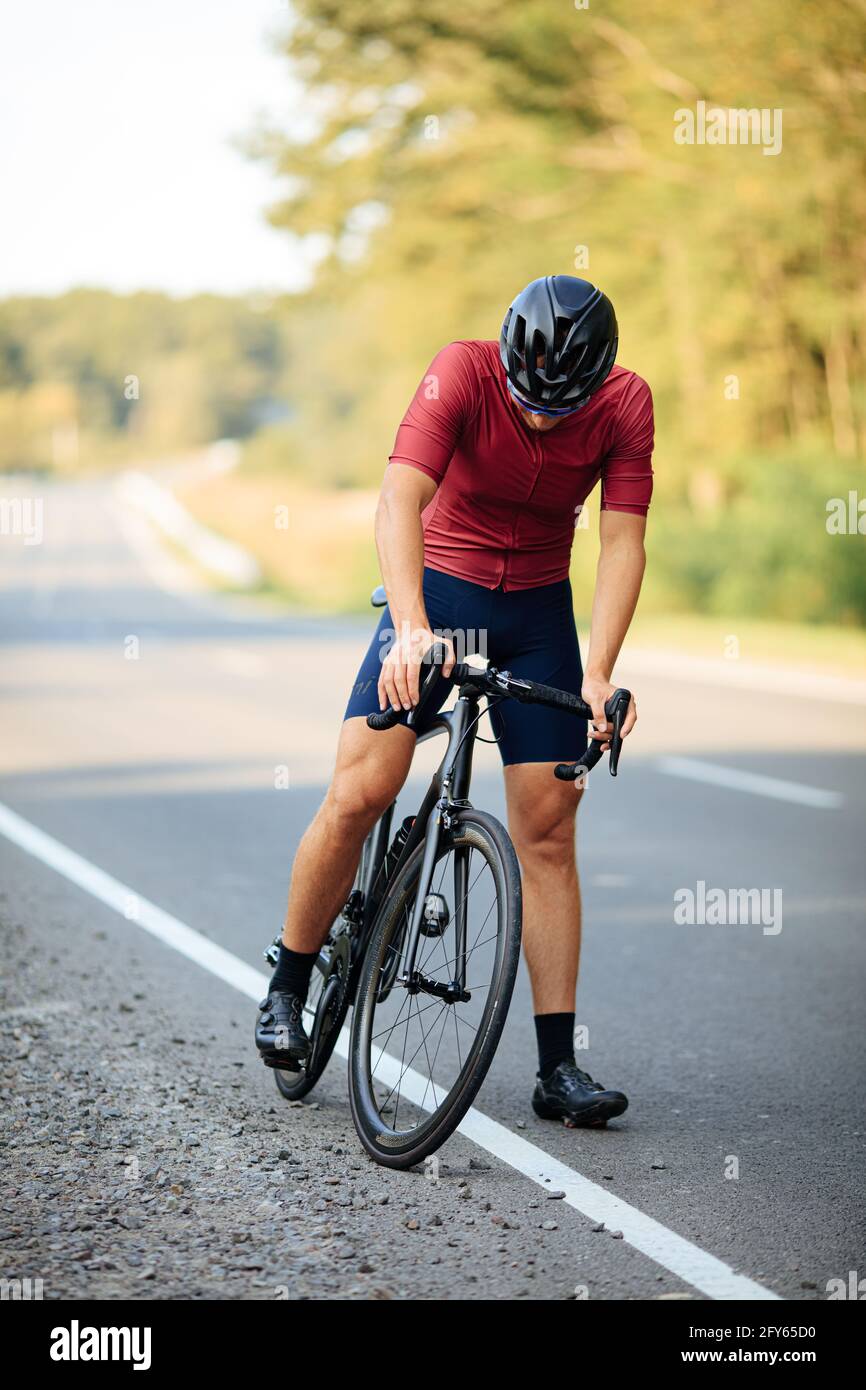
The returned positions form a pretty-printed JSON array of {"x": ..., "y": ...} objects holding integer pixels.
[{"x": 117, "y": 166}]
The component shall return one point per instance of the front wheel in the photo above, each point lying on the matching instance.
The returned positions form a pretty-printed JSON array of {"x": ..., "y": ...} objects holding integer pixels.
[{"x": 417, "y": 1059}]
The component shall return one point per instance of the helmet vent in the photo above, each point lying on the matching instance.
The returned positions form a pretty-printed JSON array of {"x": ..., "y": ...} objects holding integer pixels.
[{"x": 558, "y": 342}]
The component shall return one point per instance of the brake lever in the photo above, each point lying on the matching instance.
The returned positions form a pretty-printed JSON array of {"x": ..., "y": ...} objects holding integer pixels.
[
  {"x": 616, "y": 710},
  {"x": 433, "y": 659},
  {"x": 387, "y": 718}
]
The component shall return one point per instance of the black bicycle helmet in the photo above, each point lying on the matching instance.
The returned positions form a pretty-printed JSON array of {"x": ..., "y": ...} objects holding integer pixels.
[{"x": 569, "y": 323}]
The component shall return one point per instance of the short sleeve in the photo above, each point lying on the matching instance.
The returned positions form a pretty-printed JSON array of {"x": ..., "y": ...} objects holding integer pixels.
[
  {"x": 626, "y": 474},
  {"x": 437, "y": 414}
]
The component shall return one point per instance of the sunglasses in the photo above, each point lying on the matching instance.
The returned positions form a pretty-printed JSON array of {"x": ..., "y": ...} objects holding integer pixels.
[{"x": 544, "y": 410}]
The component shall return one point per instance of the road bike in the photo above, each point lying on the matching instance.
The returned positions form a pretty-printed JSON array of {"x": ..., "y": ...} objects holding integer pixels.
[{"x": 427, "y": 945}]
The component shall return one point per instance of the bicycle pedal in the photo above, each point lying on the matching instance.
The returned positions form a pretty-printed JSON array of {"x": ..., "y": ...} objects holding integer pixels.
[{"x": 283, "y": 1063}]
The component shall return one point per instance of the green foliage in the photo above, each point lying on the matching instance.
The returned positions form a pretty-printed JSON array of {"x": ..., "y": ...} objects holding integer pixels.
[
  {"x": 553, "y": 129},
  {"x": 450, "y": 153},
  {"x": 765, "y": 550},
  {"x": 91, "y": 377},
  {"x": 493, "y": 141}
]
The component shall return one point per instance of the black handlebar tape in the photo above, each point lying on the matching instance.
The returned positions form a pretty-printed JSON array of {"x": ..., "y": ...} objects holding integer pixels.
[
  {"x": 549, "y": 695},
  {"x": 569, "y": 772},
  {"x": 384, "y": 719},
  {"x": 462, "y": 673},
  {"x": 387, "y": 718}
]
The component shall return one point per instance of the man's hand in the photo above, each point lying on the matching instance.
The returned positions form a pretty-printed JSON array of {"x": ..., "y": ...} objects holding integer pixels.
[
  {"x": 399, "y": 683},
  {"x": 596, "y": 692}
]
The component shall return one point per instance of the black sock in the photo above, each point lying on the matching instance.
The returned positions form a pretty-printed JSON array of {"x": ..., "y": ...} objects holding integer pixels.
[
  {"x": 555, "y": 1034},
  {"x": 293, "y": 971}
]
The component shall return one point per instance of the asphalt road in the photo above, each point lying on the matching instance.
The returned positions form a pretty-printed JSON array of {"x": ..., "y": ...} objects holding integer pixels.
[{"x": 147, "y": 1153}]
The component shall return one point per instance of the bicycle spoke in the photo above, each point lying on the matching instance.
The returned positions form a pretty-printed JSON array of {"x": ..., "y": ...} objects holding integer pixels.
[
  {"x": 465, "y": 1021},
  {"x": 388, "y": 1097},
  {"x": 405, "y": 1067},
  {"x": 431, "y": 1081},
  {"x": 453, "y": 915},
  {"x": 416, "y": 1011},
  {"x": 474, "y": 947},
  {"x": 484, "y": 866},
  {"x": 441, "y": 1049},
  {"x": 457, "y": 1037},
  {"x": 391, "y": 1028}
]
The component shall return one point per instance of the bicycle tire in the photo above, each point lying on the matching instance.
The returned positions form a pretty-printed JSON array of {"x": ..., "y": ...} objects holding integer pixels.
[
  {"x": 483, "y": 832},
  {"x": 294, "y": 1085}
]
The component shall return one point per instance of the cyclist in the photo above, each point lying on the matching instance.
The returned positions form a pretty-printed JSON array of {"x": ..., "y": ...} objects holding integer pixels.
[{"x": 496, "y": 454}]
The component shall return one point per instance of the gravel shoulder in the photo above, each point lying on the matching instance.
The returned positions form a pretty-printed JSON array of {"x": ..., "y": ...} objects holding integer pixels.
[{"x": 146, "y": 1154}]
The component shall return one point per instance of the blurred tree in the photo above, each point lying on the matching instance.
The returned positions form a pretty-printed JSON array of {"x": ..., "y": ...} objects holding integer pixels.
[
  {"x": 448, "y": 153},
  {"x": 91, "y": 377},
  {"x": 451, "y": 152},
  {"x": 458, "y": 150}
]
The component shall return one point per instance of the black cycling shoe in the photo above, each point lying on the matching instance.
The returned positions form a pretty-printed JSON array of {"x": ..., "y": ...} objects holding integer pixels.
[
  {"x": 572, "y": 1096},
  {"x": 280, "y": 1035}
]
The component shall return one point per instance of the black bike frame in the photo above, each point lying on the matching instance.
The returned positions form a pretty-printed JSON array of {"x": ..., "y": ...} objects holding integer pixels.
[{"x": 448, "y": 790}]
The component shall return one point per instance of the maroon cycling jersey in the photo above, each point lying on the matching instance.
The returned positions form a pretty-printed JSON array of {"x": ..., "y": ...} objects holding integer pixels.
[{"x": 508, "y": 497}]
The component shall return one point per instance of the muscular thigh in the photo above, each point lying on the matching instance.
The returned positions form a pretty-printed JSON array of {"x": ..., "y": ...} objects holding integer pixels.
[
  {"x": 541, "y": 810},
  {"x": 371, "y": 767}
]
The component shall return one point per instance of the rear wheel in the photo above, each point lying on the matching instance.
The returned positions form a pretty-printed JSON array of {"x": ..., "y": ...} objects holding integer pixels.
[
  {"x": 329, "y": 995},
  {"x": 418, "y": 1058},
  {"x": 324, "y": 1015}
]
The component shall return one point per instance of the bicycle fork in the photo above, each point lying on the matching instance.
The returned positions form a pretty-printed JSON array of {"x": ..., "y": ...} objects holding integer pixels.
[{"x": 413, "y": 980}]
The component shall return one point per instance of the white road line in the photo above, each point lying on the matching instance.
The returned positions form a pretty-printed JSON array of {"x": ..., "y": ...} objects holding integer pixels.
[
  {"x": 162, "y": 568},
  {"x": 737, "y": 780},
  {"x": 673, "y": 1252},
  {"x": 132, "y": 906},
  {"x": 214, "y": 553},
  {"x": 676, "y": 1254}
]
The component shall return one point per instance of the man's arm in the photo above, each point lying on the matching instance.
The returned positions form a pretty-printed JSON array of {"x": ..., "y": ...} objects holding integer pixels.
[
  {"x": 422, "y": 452},
  {"x": 400, "y": 543},
  {"x": 617, "y": 586}
]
